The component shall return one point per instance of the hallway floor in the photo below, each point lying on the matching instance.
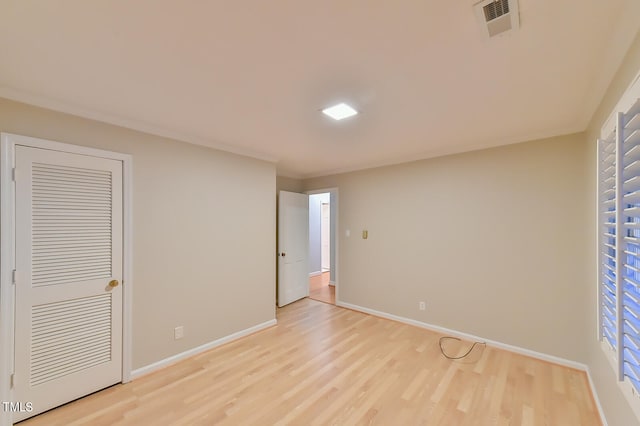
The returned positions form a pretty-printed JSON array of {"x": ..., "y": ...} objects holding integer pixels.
[{"x": 319, "y": 289}]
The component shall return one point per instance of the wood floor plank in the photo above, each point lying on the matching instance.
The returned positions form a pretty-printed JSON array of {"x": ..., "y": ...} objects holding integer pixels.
[{"x": 327, "y": 365}]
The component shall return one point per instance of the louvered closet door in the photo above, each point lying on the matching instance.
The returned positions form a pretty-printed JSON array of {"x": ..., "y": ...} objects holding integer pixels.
[{"x": 68, "y": 248}]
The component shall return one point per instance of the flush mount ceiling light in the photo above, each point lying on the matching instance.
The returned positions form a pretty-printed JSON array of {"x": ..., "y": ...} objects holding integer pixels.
[{"x": 340, "y": 111}]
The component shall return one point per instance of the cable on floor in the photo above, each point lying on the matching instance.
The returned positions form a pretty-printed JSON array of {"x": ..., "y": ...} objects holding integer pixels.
[{"x": 455, "y": 338}]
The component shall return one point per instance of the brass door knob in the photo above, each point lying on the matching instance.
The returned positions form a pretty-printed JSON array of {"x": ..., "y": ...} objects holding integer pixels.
[{"x": 113, "y": 283}]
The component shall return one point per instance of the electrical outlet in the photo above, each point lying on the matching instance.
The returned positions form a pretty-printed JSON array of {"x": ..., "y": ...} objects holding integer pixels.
[
  {"x": 178, "y": 332},
  {"x": 422, "y": 306}
]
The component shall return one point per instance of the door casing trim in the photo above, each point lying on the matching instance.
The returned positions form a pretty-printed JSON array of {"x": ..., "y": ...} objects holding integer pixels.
[{"x": 8, "y": 143}]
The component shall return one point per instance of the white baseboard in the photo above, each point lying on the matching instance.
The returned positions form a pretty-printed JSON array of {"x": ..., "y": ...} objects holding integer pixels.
[
  {"x": 595, "y": 398},
  {"x": 333, "y": 283},
  {"x": 191, "y": 352},
  {"x": 466, "y": 336},
  {"x": 315, "y": 274}
]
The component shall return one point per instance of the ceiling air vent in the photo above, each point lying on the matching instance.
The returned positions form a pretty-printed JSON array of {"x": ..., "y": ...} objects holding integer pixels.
[
  {"x": 497, "y": 16},
  {"x": 495, "y": 9}
]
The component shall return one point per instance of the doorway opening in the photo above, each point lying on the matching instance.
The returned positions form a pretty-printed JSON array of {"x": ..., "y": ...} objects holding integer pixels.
[{"x": 322, "y": 247}]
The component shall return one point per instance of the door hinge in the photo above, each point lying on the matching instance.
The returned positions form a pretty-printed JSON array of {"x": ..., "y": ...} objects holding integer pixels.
[
  {"x": 13, "y": 174},
  {"x": 12, "y": 380},
  {"x": 13, "y": 277}
]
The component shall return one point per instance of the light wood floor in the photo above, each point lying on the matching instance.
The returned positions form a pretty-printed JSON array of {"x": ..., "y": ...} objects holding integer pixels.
[
  {"x": 326, "y": 365},
  {"x": 319, "y": 288}
]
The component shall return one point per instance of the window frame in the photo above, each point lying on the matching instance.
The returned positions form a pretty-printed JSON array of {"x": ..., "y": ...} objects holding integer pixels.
[{"x": 615, "y": 121}]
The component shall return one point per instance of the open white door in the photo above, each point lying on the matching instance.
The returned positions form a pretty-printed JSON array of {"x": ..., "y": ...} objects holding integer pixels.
[
  {"x": 293, "y": 247},
  {"x": 69, "y": 242}
]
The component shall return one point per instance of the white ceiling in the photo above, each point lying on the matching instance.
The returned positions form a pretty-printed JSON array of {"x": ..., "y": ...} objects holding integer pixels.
[{"x": 251, "y": 76}]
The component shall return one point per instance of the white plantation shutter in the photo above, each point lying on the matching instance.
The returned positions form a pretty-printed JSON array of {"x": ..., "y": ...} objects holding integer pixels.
[{"x": 619, "y": 243}]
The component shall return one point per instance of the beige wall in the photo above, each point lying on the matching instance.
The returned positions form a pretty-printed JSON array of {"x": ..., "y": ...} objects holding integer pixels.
[
  {"x": 288, "y": 184},
  {"x": 616, "y": 408},
  {"x": 492, "y": 240},
  {"x": 200, "y": 216}
]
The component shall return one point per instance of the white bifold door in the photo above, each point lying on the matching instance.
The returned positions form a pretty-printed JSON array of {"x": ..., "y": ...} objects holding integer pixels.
[
  {"x": 68, "y": 319},
  {"x": 293, "y": 247}
]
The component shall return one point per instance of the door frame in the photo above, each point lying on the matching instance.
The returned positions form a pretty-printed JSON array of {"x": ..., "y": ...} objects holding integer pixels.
[
  {"x": 8, "y": 143},
  {"x": 335, "y": 235},
  {"x": 325, "y": 229}
]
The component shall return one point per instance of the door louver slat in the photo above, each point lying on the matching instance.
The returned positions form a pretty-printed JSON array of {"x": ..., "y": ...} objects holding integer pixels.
[
  {"x": 51, "y": 272},
  {"x": 73, "y": 261},
  {"x": 72, "y": 253},
  {"x": 88, "y": 276},
  {"x": 81, "y": 242}
]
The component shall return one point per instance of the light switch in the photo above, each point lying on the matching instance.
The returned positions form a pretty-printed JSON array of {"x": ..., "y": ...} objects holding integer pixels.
[
  {"x": 365, "y": 234},
  {"x": 178, "y": 332}
]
